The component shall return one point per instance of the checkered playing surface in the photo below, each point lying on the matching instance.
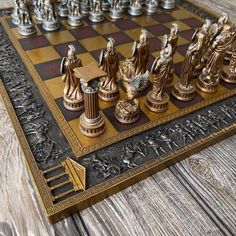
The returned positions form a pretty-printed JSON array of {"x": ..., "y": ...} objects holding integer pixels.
[{"x": 45, "y": 51}]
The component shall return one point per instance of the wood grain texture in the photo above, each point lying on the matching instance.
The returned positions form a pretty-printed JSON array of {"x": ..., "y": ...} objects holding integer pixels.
[{"x": 195, "y": 197}]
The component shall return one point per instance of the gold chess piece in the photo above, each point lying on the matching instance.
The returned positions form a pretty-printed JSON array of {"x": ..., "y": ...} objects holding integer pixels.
[
  {"x": 173, "y": 41},
  {"x": 109, "y": 62},
  {"x": 73, "y": 95},
  {"x": 209, "y": 79},
  {"x": 184, "y": 89},
  {"x": 91, "y": 123},
  {"x": 229, "y": 71},
  {"x": 157, "y": 100},
  {"x": 127, "y": 110}
]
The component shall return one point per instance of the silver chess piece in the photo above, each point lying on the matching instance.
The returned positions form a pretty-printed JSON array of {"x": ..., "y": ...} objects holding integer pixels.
[
  {"x": 63, "y": 8},
  {"x": 50, "y": 20},
  {"x": 85, "y": 7},
  {"x": 168, "y": 4},
  {"x": 151, "y": 7},
  {"x": 116, "y": 11},
  {"x": 14, "y": 16},
  {"x": 25, "y": 24},
  {"x": 135, "y": 8},
  {"x": 96, "y": 14},
  {"x": 106, "y": 5},
  {"x": 74, "y": 18},
  {"x": 39, "y": 9},
  {"x": 125, "y": 4}
]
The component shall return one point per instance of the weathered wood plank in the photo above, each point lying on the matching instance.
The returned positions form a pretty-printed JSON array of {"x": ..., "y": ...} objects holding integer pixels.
[{"x": 211, "y": 174}]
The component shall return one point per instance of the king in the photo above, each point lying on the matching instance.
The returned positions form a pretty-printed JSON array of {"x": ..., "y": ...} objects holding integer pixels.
[{"x": 73, "y": 95}]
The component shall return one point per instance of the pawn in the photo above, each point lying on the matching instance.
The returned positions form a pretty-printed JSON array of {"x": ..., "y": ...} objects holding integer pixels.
[
  {"x": 125, "y": 4},
  {"x": 168, "y": 4},
  {"x": 25, "y": 25},
  {"x": 14, "y": 16},
  {"x": 39, "y": 9},
  {"x": 73, "y": 95},
  {"x": 157, "y": 99},
  {"x": 85, "y": 7},
  {"x": 50, "y": 20},
  {"x": 151, "y": 7},
  {"x": 135, "y": 8},
  {"x": 116, "y": 11},
  {"x": 74, "y": 18},
  {"x": 63, "y": 8},
  {"x": 229, "y": 71},
  {"x": 96, "y": 14},
  {"x": 106, "y": 5}
]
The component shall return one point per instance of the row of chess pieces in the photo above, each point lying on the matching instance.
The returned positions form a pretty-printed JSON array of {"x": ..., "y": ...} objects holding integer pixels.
[
  {"x": 210, "y": 57},
  {"x": 47, "y": 12}
]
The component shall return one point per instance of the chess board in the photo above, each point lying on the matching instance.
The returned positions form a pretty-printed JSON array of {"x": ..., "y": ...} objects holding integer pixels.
[{"x": 41, "y": 55}]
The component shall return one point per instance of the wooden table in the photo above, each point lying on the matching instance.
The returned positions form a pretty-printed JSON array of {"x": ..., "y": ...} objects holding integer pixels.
[{"x": 194, "y": 197}]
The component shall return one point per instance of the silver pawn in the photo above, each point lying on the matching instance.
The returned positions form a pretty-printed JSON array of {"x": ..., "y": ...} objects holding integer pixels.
[
  {"x": 14, "y": 16},
  {"x": 96, "y": 14},
  {"x": 74, "y": 17},
  {"x": 116, "y": 11},
  {"x": 125, "y": 4},
  {"x": 25, "y": 25},
  {"x": 85, "y": 7},
  {"x": 50, "y": 20},
  {"x": 39, "y": 9},
  {"x": 63, "y": 8},
  {"x": 135, "y": 8},
  {"x": 168, "y": 4},
  {"x": 151, "y": 7},
  {"x": 106, "y": 5}
]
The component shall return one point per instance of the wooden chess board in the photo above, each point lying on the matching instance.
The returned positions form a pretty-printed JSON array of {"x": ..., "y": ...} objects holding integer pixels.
[{"x": 41, "y": 56}]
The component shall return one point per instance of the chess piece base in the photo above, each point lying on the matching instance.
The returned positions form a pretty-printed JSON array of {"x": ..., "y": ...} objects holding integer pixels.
[
  {"x": 168, "y": 4},
  {"x": 135, "y": 10},
  {"x": 206, "y": 87},
  {"x": 73, "y": 105},
  {"x": 116, "y": 14},
  {"x": 26, "y": 30},
  {"x": 96, "y": 16},
  {"x": 51, "y": 25},
  {"x": 75, "y": 20},
  {"x": 106, "y": 6},
  {"x": 157, "y": 105},
  {"x": 92, "y": 127},
  {"x": 151, "y": 9},
  {"x": 127, "y": 119},
  {"x": 63, "y": 11},
  {"x": 182, "y": 94},
  {"x": 108, "y": 96},
  {"x": 228, "y": 76}
]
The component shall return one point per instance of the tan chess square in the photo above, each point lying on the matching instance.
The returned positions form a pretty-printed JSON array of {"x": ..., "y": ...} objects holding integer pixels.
[
  {"x": 55, "y": 86},
  {"x": 145, "y": 20},
  {"x": 86, "y": 58},
  {"x": 85, "y": 141},
  {"x": 157, "y": 116},
  {"x": 181, "y": 25},
  {"x": 125, "y": 49},
  {"x": 106, "y": 28},
  {"x": 60, "y": 37},
  {"x": 43, "y": 55},
  {"x": 135, "y": 33},
  {"x": 182, "y": 41},
  {"x": 93, "y": 43},
  {"x": 180, "y": 14},
  {"x": 178, "y": 57},
  {"x": 103, "y": 105}
]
